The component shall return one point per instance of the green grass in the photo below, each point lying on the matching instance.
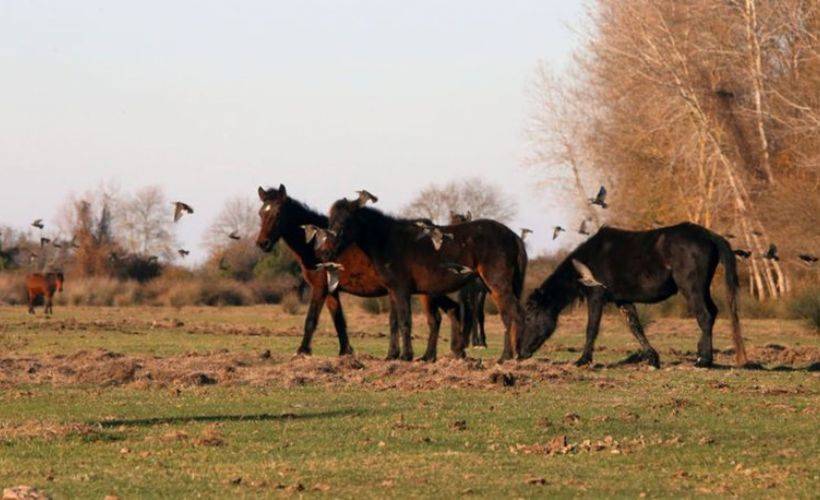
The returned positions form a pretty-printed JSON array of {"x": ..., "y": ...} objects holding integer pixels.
[{"x": 678, "y": 431}]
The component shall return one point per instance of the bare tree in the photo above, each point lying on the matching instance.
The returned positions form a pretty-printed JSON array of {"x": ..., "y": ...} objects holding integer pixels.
[
  {"x": 239, "y": 216},
  {"x": 144, "y": 223},
  {"x": 480, "y": 198},
  {"x": 702, "y": 110}
]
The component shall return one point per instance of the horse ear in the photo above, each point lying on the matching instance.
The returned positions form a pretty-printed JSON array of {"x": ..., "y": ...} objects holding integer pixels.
[
  {"x": 469, "y": 215},
  {"x": 282, "y": 191},
  {"x": 262, "y": 193}
]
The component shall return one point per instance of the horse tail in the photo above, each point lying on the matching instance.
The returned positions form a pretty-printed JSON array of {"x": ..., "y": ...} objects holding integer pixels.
[
  {"x": 520, "y": 269},
  {"x": 727, "y": 258}
]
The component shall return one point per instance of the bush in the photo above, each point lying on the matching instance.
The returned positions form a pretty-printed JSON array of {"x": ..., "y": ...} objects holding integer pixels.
[
  {"x": 12, "y": 289},
  {"x": 375, "y": 305},
  {"x": 223, "y": 292},
  {"x": 291, "y": 303},
  {"x": 805, "y": 305},
  {"x": 271, "y": 291}
]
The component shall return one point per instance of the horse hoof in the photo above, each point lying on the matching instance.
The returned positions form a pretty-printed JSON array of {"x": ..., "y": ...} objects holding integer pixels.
[
  {"x": 303, "y": 351},
  {"x": 583, "y": 362},
  {"x": 392, "y": 357},
  {"x": 348, "y": 351},
  {"x": 407, "y": 356},
  {"x": 654, "y": 360},
  {"x": 428, "y": 358}
]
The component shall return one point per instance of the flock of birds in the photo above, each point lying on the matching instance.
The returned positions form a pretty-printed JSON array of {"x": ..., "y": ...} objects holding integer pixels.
[
  {"x": 180, "y": 209},
  {"x": 427, "y": 230},
  {"x": 770, "y": 254}
]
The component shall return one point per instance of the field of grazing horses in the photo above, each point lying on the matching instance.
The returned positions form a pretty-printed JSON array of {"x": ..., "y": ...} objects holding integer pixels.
[{"x": 210, "y": 401}]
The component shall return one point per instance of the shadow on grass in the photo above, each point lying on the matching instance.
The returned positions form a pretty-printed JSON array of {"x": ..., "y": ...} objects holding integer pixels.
[{"x": 258, "y": 417}]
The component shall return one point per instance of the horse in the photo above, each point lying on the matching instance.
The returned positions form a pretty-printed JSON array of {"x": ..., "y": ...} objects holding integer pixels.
[
  {"x": 282, "y": 217},
  {"x": 43, "y": 285},
  {"x": 628, "y": 267},
  {"x": 409, "y": 263},
  {"x": 471, "y": 299}
]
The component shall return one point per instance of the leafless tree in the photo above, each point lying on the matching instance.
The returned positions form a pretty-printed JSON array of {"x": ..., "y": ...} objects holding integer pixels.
[
  {"x": 480, "y": 198},
  {"x": 144, "y": 223}
]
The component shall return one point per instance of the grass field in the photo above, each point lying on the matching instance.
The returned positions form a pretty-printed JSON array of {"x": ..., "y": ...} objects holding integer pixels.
[{"x": 139, "y": 402}]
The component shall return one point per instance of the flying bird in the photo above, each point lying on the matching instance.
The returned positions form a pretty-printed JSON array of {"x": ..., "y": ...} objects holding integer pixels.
[
  {"x": 180, "y": 209},
  {"x": 365, "y": 196},
  {"x": 44, "y": 241},
  {"x": 757, "y": 233},
  {"x": 729, "y": 236},
  {"x": 332, "y": 269},
  {"x": 434, "y": 233},
  {"x": 457, "y": 268},
  {"x": 807, "y": 258},
  {"x": 235, "y": 235},
  {"x": 742, "y": 253},
  {"x": 583, "y": 229},
  {"x": 57, "y": 244},
  {"x": 600, "y": 198},
  {"x": 771, "y": 253},
  {"x": 318, "y": 233},
  {"x": 525, "y": 232},
  {"x": 586, "y": 279},
  {"x": 183, "y": 253},
  {"x": 557, "y": 230},
  {"x": 38, "y": 224}
]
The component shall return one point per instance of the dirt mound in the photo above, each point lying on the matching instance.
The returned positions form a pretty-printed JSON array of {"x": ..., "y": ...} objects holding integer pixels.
[
  {"x": 776, "y": 354},
  {"x": 105, "y": 368}
]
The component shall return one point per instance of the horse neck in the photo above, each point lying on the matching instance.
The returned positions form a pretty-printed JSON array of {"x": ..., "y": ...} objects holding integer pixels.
[
  {"x": 294, "y": 215},
  {"x": 559, "y": 290},
  {"x": 376, "y": 228}
]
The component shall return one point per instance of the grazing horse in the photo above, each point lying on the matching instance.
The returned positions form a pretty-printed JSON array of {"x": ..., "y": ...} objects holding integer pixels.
[
  {"x": 625, "y": 267},
  {"x": 471, "y": 299},
  {"x": 283, "y": 217},
  {"x": 43, "y": 285},
  {"x": 408, "y": 262}
]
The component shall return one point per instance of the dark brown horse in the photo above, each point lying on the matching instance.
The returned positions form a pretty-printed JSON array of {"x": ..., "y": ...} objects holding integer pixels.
[
  {"x": 43, "y": 285},
  {"x": 471, "y": 299},
  {"x": 283, "y": 217},
  {"x": 625, "y": 267},
  {"x": 413, "y": 259}
]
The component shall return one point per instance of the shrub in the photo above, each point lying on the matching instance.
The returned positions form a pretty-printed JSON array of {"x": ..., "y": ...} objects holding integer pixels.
[
  {"x": 224, "y": 292},
  {"x": 805, "y": 305},
  {"x": 375, "y": 305},
  {"x": 12, "y": 289},
  {"x": 291, "y": 303}
]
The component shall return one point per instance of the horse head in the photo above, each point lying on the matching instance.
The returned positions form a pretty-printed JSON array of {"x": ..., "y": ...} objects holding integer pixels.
[{"x": 271, "y": 216}]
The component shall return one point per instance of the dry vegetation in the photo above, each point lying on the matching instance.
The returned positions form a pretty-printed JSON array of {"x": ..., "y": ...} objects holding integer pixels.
[{"x": 703, "y": 110}]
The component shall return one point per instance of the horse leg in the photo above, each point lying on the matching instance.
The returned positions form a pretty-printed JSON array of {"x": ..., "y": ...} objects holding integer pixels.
[
  {"x": 479, "y": 319},
  {"x": 649, "y": 353},
  {"x": 334, "y": 307},
  {"x": 458, "y": 340},
  {"x": 393, "y": 350},
  {"x": 511, "y": 315},
  {"x": 404, "y": 321},
  {"x": 705, "y": 311},
  {"x": 49, "y": 300},
  {"x": 467, "y": 314},
  {"x": 31, "y": 298},
  {"x": 595, "y": 307},
  {"x": 317, "y": 300},
  {"x": 434, "y": 324}
]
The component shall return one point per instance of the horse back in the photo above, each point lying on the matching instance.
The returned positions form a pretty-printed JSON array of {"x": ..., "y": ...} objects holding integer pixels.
[{"x": 37, "y": 284}]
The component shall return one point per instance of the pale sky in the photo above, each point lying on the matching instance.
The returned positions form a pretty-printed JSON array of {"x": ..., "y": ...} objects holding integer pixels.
[{"x": 210, "y": 99}]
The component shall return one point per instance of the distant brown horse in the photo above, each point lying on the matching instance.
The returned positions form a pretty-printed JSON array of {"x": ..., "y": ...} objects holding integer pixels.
[
  {"x": 283, "y": 217},
  {"x": 43, "y": 285},
  {"x": 412, "y": 259}
]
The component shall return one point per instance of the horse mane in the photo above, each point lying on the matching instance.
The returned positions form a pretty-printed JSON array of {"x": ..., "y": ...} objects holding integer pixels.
[
  {"x": 302, "y": 211},
  {"x": 560, "y": 289}
]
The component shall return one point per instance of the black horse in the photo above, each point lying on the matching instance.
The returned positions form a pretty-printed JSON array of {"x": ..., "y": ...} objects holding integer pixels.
[
  {"x": 411, "y": 259},
  {"x": 471, "y": 299},
  {"x": 283, "y": 217},
  {"x": 625, "y": 267}
]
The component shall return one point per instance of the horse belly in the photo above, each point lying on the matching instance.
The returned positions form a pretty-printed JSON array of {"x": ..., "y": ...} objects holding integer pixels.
[{"x": 359, "y": 276}]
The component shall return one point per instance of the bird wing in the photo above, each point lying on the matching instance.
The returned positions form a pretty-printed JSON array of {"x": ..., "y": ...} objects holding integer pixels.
[
  {"x": 601, "y": 194},
  {"x": 587, "y": 278}
]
